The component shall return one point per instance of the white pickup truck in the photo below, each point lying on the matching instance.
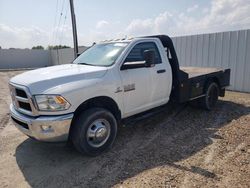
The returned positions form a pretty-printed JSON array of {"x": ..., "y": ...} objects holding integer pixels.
[{"x": 85, "y": 101}]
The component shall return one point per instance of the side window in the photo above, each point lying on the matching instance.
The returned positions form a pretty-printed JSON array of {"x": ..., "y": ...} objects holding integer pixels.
[{"x": 136, "y": 54}]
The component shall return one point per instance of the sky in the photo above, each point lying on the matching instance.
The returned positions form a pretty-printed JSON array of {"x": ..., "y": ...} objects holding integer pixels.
[{"x": 27, "y": 23}]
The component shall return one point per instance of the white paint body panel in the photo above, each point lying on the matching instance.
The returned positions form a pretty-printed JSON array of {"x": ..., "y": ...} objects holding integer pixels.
[{"x": 78, "y": 83}]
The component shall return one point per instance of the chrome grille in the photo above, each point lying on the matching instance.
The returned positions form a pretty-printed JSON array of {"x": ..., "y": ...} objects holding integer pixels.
[{"x": 22, "y": 100}]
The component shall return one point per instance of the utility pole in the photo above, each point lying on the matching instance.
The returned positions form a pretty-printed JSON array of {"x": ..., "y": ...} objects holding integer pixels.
[{"x": 73, "y": 18}]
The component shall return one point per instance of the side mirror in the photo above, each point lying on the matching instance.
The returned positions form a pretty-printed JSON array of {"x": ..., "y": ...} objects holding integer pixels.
[{"x": 149, "y": 57}]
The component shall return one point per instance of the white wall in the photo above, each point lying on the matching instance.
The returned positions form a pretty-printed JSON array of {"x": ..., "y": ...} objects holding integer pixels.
[
  {"x": 223, "y": 50},
  {"x": 63, "y": 56},
  {"x": 24, "y": 58}
]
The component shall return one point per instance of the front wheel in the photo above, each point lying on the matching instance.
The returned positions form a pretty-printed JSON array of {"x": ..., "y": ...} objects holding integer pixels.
[{"x": 93, "y": 131}]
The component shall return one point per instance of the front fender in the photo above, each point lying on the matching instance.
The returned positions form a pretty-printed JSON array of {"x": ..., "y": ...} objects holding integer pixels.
[{"x": 79, "y": 92}]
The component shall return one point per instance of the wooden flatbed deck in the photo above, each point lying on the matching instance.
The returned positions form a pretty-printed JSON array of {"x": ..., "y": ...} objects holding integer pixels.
[{"x": 199, "y": 71}]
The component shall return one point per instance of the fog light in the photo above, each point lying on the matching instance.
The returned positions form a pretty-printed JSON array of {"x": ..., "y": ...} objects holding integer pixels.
[{"x": 46, "y": 128}]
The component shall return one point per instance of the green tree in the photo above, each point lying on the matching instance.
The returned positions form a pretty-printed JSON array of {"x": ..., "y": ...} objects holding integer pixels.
[
  {"x": 37, "y": 47},
  {"x": 57, "y": 47}
]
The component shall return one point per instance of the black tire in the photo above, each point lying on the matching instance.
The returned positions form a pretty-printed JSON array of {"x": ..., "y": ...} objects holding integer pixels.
[
  {"x": 83, "y": 125},
  {"x": 211, "y": 96}
]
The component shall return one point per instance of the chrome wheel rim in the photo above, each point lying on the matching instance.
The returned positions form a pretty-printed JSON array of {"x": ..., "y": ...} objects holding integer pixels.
[{"x": 98, "y": 133}]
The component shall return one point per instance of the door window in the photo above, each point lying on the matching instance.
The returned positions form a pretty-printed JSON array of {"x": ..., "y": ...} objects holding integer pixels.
[{"x": 136, "y": 54}]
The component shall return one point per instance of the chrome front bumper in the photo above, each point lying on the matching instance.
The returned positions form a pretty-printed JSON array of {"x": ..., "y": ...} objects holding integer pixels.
[{"x": 44, "y": 128}]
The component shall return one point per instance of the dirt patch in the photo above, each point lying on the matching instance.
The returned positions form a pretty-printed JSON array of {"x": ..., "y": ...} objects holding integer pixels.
[
  {"x": 4, "y": 121},
  {"x": 5, "y": 97},
  {"x": 172, "y": 146}
]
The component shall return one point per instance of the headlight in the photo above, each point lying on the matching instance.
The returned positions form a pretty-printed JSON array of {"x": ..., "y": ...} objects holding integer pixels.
[{"x": 51, "y": 103}]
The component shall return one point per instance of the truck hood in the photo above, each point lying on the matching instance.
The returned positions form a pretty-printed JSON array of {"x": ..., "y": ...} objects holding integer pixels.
[{"x": 40, "y": 80}]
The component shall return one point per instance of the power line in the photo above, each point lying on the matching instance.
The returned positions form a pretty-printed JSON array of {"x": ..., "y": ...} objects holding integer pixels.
[
  {"x": 65, "y": 17},
  {"x": 59, "y": 22},
  {"x": 53, "y": 29}
]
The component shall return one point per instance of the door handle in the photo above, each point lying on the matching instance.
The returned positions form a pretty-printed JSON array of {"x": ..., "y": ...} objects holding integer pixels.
[{"x": 161, "y": 71}]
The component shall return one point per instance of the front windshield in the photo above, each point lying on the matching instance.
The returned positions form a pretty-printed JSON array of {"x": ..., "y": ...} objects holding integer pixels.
[{"x": 104, "y": 54}]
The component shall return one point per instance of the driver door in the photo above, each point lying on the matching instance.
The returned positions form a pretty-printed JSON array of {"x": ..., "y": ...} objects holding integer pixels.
[{"x": 137, "y": 83}]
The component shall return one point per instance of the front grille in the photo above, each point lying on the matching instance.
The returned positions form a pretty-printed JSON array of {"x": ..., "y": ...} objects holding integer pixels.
[
  {"x": 25, "y": 106},
  {"x": 22, "y": 124},
  {"x": 22, "y": 100},
  {"x": 21, "y": 93}
]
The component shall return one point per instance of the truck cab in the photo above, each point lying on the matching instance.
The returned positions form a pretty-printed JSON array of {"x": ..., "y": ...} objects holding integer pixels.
[{"x": 85, "y": 101}]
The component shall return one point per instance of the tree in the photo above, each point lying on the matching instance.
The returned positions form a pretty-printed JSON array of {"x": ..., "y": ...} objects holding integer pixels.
[
  {"x": 57, "y": 47},
  {"x": 39, "y": 47}
]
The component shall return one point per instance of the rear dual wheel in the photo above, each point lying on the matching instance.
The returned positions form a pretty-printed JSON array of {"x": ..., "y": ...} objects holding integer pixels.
[{"x": 211, "y": 96}]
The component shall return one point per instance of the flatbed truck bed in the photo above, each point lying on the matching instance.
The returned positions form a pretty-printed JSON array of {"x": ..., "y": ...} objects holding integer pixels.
[
  {"x": 198, "y": 78},
  {"x": 199, "y": 71}
]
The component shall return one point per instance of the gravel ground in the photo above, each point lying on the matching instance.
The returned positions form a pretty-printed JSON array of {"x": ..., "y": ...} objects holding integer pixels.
[{"x": 172, "y": 146}]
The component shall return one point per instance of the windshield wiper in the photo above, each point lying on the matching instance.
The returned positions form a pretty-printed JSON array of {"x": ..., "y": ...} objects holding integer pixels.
[
  {"x": 86, "y": 64},
  {"x": 91, "y": 65}
]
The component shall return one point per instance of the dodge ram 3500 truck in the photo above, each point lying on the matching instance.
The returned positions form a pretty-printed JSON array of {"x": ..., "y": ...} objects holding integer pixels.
[{"x": 85, "y": 101}]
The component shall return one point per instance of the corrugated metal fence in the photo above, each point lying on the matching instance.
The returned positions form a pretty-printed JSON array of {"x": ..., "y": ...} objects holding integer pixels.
[
  {"x": 223, "y": 50},
  {"x": 24, "y": 58},
  {"x": 63, "y": 56}
]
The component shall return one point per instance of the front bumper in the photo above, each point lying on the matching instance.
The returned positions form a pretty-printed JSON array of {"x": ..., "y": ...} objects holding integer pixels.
[{"x": 44, "y": 128}]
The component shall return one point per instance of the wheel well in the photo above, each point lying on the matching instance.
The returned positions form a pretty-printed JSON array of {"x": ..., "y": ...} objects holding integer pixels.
[
  {"x": 210, "y": 80},
  {"x": 102, "y": 102},
  {"x": 214, "y": 79}
]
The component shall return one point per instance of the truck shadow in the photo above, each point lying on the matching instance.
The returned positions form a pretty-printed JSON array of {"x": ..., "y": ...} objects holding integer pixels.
[{"x": 162, "y": 137}]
